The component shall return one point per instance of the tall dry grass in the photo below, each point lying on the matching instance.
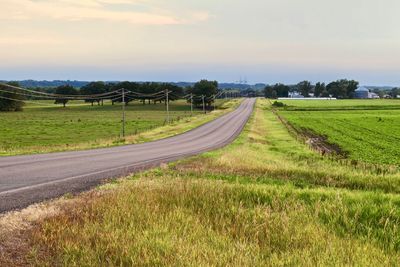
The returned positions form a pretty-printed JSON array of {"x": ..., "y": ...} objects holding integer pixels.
[{"x": 171, "y": 221}]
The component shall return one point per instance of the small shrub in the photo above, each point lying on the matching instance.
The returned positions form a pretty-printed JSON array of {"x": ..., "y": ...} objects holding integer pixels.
[{"x": 278, "y": 104}]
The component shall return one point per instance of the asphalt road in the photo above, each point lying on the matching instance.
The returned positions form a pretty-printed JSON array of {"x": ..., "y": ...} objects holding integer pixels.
[{"x": 25, "y": 180}]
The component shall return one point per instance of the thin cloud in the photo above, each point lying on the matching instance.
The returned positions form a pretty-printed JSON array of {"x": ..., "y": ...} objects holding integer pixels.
[
  {"x": 30, "y": 41},
  {"x": 74, "y": 10}
]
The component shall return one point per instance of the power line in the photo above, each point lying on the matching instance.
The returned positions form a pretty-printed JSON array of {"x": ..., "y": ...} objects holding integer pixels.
[
  {"x": 149, "y": 97},
  {"x": 55, "y": 98},
  {"x": 121, "y": 94},
  {"x": 26, "y": 101},
  {"x": 23, "y": 94},
  {"x": 58, "y": 95},
  {"x": 116, "y": 95},
  {"x": 107, "y": 95},
  {"x": 146, "y": 95},
  {"x": 46, "y": 104},
  {"x": 159, "y": 98}
]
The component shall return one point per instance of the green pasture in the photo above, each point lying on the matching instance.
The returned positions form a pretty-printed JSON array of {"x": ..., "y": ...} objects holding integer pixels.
[{"x": 43, "y": 124}]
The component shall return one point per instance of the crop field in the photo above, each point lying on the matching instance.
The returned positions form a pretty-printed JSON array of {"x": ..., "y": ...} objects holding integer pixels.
[
  {"x": 265, "y": 200},
  {"x": 365, "y": 130},
  {"x": 348, "y": 104},
  {"x": 47, "y": 127}
]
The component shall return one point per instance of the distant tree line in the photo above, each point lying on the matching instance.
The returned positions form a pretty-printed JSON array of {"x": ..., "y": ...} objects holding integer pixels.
[
  {"x": 142, "y": 92},
  {"x": 340, "y": 89},
  {"x": 145, "y": 90},
  {"x": 51, "y": 84},
  {"x": 13, "y": 100}
]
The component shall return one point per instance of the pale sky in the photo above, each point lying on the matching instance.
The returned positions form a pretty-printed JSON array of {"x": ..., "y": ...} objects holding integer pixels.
[{"x": 187, "y": 40}]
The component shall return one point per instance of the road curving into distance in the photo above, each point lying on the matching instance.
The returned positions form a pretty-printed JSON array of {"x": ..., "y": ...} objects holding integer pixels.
[{"x": 25, "y": 180}]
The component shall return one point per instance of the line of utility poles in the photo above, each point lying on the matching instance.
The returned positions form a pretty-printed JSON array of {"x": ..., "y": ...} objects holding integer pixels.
[
  {"x": 168, "y": 118},
  {"x": 123, "y": 112},
  {"x": 167, "y": 100},
  {"x": 204, "y": 104},
  {"x": 191, "y": 104},
  {"x": 213, "y": 102}
]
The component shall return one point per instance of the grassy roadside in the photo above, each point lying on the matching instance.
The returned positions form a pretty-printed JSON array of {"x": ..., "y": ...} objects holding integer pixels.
[
  {"x": 177, "y": 126},
  {"x": 264, "y": 200}
]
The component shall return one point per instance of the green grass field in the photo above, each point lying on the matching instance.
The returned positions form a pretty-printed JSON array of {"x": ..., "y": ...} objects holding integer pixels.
[
  {"x": 47, "y": 127},
  {"x": 265, "y": 200},
  {"x": 366, "y": 130}
]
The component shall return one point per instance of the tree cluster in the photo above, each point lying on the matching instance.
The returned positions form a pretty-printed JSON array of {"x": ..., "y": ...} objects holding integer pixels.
[
  {"x": 10, "y": 100},
  {"x": 277, "y": 90},
  {"x": 65, "y": 90},
  {"x": 339, "y": 89},
  {"x": 203, "y": 88},
  {"x": 394, "y": 92},
  {"x": 342, "y": 88}
]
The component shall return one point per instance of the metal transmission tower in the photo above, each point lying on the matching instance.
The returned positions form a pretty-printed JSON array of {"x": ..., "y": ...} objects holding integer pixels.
[{"x": 242, "y": 80}]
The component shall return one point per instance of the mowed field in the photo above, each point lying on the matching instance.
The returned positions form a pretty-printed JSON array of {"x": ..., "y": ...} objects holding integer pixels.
[
  {"x": 365, "y": 130},
  {"x": 49, "y": 127},
  {"x": 265, "y": 200}
]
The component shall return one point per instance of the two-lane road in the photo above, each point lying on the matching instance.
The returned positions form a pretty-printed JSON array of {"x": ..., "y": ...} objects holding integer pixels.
[{"x": 29, "y": 179}]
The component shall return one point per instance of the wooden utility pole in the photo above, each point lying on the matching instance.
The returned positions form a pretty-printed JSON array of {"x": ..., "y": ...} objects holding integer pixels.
[
  {"x": 204, "y": 104},
  {"x": 213, "y": 102},
  {"x": 167, "y": 99},
  {"x": 123, "y": 112},
  {"x": 191, "y": 104}
]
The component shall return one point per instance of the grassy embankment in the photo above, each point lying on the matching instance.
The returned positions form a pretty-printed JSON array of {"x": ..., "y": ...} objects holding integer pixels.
[
  {"x": 264, "y": 200},
  {"x": 365, "y": 130},
  {"x": 51, "y": 128}
]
